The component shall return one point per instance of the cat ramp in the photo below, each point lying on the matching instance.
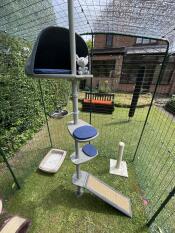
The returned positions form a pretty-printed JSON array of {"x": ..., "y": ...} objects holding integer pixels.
[
  {"x": 104, "y": 191},
  {"x": 52, "y": 161}
]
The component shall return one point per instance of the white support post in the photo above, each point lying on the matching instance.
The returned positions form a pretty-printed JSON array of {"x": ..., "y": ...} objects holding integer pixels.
[
  {"x": 74, "y": 82},
  {"x": 73, "y": 60},
  {"x": 120, "y": 154},
  {"x": 119, "y": 167}
]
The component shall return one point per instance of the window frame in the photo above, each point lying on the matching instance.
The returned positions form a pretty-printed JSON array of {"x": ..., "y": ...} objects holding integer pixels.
[
  {"x": 109, "y": 45},
  {"x": 142, "y": 41}
]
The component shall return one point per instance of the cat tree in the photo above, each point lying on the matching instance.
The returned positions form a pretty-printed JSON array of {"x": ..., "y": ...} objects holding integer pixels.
[{"x": 43, "y": 63}]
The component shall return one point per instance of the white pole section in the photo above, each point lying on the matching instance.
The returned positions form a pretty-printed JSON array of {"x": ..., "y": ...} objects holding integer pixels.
[
  {"x": 73, "y": 59},
  {"x": 74, "y": 82},
  {"x": 120, "y": 154}
]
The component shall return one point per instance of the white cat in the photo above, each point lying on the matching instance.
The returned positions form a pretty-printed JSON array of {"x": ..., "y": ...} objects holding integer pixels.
[{"x": 82, "y": 63}]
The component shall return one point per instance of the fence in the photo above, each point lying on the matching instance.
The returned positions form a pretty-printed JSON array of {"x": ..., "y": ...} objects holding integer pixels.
[{"x": 147, "y": 132}]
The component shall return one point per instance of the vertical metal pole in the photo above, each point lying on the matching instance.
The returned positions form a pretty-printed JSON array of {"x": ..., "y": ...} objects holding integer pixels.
[
  {"x": 158, "y": 82},
  {"x": 9, "y": 167},
  {"x": 164, "y": 203},
  {"x": 73, "y": 60},
  {"x": 74, "y": 82},
  {"x": 90, "y": 115},
  {"x": 44, "y": 107}
]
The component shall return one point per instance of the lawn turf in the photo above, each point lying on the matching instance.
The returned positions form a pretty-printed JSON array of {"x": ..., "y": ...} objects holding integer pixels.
[{"x": 50, "y": 202}]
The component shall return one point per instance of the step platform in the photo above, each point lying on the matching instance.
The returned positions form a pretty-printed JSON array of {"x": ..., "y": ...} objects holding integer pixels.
[
  {"x": 82, "y": 131},
  {"x": 90, "y": 150},
  {"x": 104, "y": 192},
  {"x": 86, "y": 153},
  {"x": 52, "y": 161}
]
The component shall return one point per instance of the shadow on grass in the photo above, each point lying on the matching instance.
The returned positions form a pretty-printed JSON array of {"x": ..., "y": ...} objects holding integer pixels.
[
  {"x": 42, "y": 173},
  {"x": 67, "y": 198},
  {"x": 142, "y": 229},
  {"x": 118, "y": 122}
]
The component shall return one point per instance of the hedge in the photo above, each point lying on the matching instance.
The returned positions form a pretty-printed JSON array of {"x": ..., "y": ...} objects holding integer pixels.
[{"x": 21, "y": 110}]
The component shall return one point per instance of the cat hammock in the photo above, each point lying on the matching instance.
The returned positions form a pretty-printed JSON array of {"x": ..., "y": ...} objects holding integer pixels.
[
  {"x": 12, "y": 224},
  {"x": 50, "y": 57}
]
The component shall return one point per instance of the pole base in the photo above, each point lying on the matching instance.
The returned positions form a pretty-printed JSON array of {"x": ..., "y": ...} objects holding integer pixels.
[
  {"x": 79, "y": 191},
  {"x": 122, "y": 171}
]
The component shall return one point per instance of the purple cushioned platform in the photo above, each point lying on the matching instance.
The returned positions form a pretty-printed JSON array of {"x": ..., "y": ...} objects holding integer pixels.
[
  {"x": 85, "y": 132},
  {"x": 51, "y": 71},
  {"x": 89, "y": 150}
]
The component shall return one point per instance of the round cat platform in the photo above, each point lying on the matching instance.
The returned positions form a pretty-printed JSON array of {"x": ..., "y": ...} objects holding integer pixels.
[
  {"x": 90, "y": 150},
  {"x": 85, "y": 132}
]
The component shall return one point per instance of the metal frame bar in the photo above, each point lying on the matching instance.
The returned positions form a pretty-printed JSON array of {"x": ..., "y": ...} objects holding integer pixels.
[
  {"x": 164, "y": 203},
  {"x": 158, "y": 82},
  {"x": 123, "y": 34},
  {"x": 44, "y": 108},
  {"x": 9, "y": 167}
]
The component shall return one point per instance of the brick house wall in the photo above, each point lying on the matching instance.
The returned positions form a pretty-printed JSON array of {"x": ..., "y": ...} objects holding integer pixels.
[
  {"x": 118, "y": 41},
  {"x": 115, "y": 84}
]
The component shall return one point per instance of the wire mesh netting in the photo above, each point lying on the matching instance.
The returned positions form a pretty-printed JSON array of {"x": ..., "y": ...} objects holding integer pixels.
[
  {"x": 131, "y": 78},
  {"x": 131, "y": 75},
  {"x": 141, "y": 18},
  {"x": 155, "y": 163}
]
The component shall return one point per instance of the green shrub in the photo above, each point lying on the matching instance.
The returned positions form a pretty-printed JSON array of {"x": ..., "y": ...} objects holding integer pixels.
[
  {"x": 104, "y": 87},
  {"x": 21, "y": 110}
]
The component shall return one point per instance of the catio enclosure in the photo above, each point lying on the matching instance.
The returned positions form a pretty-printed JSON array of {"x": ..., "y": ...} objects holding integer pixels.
[{"x": 131, "y": 49}]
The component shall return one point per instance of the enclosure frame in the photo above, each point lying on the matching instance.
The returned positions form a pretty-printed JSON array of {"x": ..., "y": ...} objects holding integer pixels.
[{"x": 75, "y": 94}]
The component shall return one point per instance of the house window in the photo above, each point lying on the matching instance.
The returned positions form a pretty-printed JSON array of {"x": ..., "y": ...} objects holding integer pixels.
[
  {"x": 133, "y": 63},
  {"x": 139, "y": 40},
  {"x": 144, "y": 41},
  {"x": 109, "y": 40},
  {"x": 103, "y": 68}
]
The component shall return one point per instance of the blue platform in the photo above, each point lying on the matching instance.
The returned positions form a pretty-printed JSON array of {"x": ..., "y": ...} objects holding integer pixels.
[
  {"x": 85, "y": 132},
  {"x": 51, "y": 71},
  {"x": 90, "y": 150}
]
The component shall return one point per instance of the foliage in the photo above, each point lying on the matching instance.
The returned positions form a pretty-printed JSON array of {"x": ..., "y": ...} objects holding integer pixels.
[
  {"x": 21, "y": 112},
  {"x": 170, "y": 105},
  {"x": 89, "y": 44},
  {"x": 104, "y": 87}
]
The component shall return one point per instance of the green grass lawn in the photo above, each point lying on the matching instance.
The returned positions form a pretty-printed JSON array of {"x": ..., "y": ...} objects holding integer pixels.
[{"x": 50, "y": 201}]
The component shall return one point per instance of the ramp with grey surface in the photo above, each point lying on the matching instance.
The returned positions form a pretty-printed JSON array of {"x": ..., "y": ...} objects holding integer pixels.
[{"x": 104, "y": 191}]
